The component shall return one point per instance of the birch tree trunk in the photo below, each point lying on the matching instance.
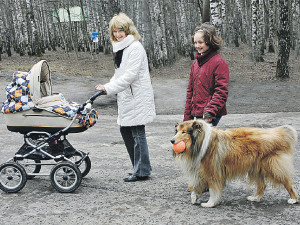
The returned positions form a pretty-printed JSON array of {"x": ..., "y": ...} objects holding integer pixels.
[
  {"x": 62, "y": 35},
  {"x": 271, "y": 26},
  {"x": 206, "y": 11},
  {"x": 20, "y": 16},
  {"x": 297, "y": 28},
  {"x": 240, "y": 4},
  {"x": 159, "y": 54},
  {"x": 71, "y": 30},
  {"x": 36, "y": 42},
  {"x": 282, "y": 69},
  {"x": 8, "y": 23},
  {"x": 217, "y": 15},
  {"x": 256, "y": 54},
  {"x": 1, "y": 35},
  {"x": 261, "y": 30},
  {"x": 85, "y": 30},
  {"x": 232, "y": 30}
]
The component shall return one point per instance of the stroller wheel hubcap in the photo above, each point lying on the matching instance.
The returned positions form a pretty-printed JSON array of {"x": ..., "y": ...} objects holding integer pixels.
[
  {"x": 65, "y": 177},
  {"x": 9, "y": 178}
]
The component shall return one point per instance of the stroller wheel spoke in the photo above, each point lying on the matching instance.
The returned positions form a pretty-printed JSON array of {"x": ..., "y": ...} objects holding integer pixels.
[
  {"x": 65, "y": 177},
  {"x": 13, "y": 177},
  {"x": 83, "y": 165}
]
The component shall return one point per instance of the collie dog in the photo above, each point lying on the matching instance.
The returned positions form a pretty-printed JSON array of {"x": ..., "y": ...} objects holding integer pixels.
[{"x": 212, "y": 156}]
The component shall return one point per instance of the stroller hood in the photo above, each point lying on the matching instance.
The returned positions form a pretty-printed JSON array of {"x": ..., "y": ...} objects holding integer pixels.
[{"x": 40, "y": 81}]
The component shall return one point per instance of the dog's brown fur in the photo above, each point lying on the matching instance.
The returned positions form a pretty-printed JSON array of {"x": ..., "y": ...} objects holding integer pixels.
[{"x": 213, "y": 156}]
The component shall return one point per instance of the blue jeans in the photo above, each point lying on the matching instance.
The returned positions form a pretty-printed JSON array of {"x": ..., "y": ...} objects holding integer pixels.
[{"x": 137, "y": 148}]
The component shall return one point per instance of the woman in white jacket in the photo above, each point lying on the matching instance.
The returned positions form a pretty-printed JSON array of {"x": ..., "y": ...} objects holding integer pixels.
[{"x": 131, "y": 82}]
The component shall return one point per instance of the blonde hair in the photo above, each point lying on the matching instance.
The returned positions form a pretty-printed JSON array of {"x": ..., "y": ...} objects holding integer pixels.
[
  {"x": 210, "y": 35},
  {"x": 122, "y": 21}
]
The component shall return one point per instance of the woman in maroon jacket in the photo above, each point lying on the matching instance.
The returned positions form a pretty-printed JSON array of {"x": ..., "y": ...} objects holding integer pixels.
[{"x": 207, "y": 90}]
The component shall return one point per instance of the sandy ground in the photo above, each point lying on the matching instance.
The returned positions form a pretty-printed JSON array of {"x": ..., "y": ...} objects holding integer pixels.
[{"x": 103, "y": 197}]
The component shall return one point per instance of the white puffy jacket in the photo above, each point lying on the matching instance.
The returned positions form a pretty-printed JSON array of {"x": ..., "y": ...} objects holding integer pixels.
[{"x": 131, "y": 82}]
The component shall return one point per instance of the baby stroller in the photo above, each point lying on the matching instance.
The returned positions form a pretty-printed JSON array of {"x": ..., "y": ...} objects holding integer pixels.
[{"x": 45, "y": 119}]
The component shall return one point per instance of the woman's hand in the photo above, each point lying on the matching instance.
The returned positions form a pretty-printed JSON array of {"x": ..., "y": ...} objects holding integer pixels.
[{"x": 100, "y": 87}]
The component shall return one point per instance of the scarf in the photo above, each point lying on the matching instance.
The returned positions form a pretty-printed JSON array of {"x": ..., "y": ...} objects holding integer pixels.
[
  {"x": 202, "y": 59},
  {"x": 118, "y": 58},
  {"x": 118, "y": 49}
]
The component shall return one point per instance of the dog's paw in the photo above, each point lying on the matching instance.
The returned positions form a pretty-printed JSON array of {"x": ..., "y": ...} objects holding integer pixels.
[
  {"x": 194, "y": 198},
  {"x": 208, "y": 205},
  {"x": 292, "y": 201},
  {"x": 253, "y": 198}
]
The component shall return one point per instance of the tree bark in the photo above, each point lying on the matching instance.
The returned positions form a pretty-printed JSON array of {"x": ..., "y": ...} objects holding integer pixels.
[
  {"x": 256, "y": 54},
  {"x": 71, "y": 30},
  {"x": 271, "y": 27},
  {"x": 60, "y": 28},
  {"x": 87, "y": 36},
  {"x": 282, "y": 69},
  {"x": 206, "y": 11}
]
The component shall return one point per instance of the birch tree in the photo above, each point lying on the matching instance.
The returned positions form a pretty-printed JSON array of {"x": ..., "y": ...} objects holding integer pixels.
[
  {"x": 282, "y": 69},
  {"x": 241, "y": 10},
  {"x": 217, "y": 15},
  {"x": 62, "y": 35},
  {"x": 160, "y": 52},
  {"x": 297, "y": 29},
  {"x": 206, "y": 11},
  {"x": 271, "y": 26},
  {"x": 256, "y": 54}
]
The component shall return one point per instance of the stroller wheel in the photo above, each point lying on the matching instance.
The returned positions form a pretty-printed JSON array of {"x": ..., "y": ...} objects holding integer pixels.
[
  {"x": 85, "y": 165},
  {"x": 65, "y": 177},
  {"x": 12, "y": 177},
  {"x": 30, "y": 167}
]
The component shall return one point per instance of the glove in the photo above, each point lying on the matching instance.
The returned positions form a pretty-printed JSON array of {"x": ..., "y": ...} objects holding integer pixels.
[{"x": 208, "y": 115}]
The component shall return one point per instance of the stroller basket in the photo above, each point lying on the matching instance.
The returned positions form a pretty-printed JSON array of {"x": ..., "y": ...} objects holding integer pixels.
[{"x": 60, "y": 147}]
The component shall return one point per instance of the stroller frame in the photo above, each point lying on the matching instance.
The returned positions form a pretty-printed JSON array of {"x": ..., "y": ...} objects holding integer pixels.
[{"x": 66, "y": 174}]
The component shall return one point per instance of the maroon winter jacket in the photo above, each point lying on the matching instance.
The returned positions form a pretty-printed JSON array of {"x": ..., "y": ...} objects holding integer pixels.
[{"x": 207, "y": 90}]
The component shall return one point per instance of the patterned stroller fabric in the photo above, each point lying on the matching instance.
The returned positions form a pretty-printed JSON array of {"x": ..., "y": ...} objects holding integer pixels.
[
  {"x": 87, "y": 117},
  {"x": 19, "y": 99},
  {"x": 18, "y": 95}
]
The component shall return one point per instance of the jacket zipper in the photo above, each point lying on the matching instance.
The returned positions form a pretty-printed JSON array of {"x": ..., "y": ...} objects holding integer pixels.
[{"x": 196, "y": 92}]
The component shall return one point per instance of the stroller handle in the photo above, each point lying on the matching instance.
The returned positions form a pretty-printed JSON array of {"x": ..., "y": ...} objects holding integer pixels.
[
  {"x": 95, "y": 96},
  {"x": 91, "y": 100}
]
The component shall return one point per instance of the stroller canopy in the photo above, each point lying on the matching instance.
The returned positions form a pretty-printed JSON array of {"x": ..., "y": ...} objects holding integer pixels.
[{"x": 40, "y": 81}]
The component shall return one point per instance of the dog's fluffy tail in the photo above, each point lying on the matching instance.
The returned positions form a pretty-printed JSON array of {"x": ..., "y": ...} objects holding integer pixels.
[
  {"x": 291, "y": 135},
  {"x": 279, "y": 168}
]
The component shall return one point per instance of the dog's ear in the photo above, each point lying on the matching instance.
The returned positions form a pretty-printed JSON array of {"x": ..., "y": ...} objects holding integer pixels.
[
  {"x": 195, "y": 130},
  {"x": 176, "y": 125}
]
